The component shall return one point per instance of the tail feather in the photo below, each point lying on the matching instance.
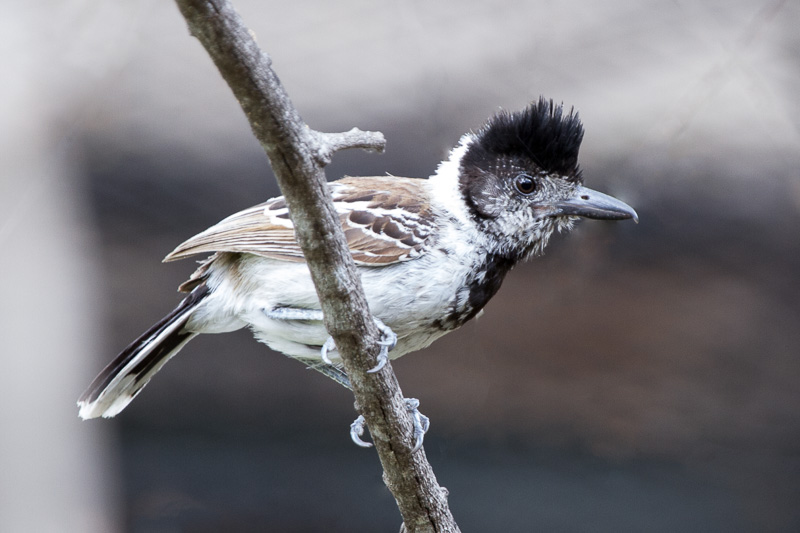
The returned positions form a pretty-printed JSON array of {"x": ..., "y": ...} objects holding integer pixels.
[{"x": 119, "y": 382}]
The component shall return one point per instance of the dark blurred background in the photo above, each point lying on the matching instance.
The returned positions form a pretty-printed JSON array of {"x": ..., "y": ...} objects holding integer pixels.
[{"x": 635, "y": 378}]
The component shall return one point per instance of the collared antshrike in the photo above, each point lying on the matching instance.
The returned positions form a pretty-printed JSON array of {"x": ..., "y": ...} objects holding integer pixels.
[{"x": 431, "y": 253}]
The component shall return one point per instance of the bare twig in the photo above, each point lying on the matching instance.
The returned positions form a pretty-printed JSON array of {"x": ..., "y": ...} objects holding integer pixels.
[
  {"x": 298, "y": 155},
  {"x": 329, "y": 143}
]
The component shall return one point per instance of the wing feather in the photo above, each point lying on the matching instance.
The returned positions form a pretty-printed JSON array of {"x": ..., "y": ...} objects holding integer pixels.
[{"x": 385, "y": 219}]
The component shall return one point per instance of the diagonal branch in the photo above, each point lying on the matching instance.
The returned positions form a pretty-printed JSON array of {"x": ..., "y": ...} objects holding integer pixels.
[{"x": 298, "y": 155}]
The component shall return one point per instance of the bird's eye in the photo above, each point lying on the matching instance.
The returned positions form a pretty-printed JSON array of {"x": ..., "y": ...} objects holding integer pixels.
[{"x": 524, "y": 184}]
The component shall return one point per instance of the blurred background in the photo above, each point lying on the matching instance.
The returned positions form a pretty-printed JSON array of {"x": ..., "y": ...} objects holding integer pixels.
[{"x": 635, "y": 378}]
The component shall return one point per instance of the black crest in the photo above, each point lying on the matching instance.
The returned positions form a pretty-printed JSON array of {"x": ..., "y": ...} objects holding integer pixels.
[{"x": 541, "y": 133}]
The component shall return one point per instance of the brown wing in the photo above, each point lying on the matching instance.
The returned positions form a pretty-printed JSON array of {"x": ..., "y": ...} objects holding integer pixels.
[{"x": 385, "y": 220}]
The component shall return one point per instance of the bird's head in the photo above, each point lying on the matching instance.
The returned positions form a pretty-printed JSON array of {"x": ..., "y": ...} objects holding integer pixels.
[{"x": 520, "y": 180}]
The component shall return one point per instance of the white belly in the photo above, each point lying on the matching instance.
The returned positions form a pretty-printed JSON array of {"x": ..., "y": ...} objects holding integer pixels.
[{"x": 407, "y": 298}]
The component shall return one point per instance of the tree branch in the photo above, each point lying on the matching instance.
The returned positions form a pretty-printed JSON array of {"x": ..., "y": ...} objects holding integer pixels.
[
  {"x": 298, "y": 155},
  {"x": 330, "y": 143}
]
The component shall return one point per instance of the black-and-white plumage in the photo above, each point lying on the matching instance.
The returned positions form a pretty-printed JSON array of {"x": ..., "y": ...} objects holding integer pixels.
[{"x": 431, "y": 252}]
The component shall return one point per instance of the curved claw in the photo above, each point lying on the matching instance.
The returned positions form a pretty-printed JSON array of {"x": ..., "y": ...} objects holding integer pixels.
[
  {"x": 326, "y": 347},
  {"x": 383, "y": 358},
  {"x": 387, "y": 342},
  {"x": 356, "y": 430},
  {"x": 421, "y": 423}
]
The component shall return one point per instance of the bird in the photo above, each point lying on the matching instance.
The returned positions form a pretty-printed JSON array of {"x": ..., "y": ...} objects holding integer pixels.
[{"x": 430, "y": 252}]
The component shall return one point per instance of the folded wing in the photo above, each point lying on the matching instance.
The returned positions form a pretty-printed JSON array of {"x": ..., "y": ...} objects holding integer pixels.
[{"x": 385, "y": 220}]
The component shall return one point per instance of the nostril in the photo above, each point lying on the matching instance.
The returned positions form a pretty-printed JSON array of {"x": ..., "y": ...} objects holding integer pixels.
[{"x": 585, "y": 197}]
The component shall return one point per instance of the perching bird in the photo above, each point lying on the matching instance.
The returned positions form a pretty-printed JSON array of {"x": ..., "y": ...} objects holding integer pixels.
[{"x": 431, "y": 252}]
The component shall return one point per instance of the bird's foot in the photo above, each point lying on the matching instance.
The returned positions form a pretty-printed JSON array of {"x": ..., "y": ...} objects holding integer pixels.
[
  {"x": 387, "y": 342},
  {"x": 421, "y": 425},
  {"x": 327, "y": 346},
  {"x": 357, "y": 429},
  {"x": 421, "y": 422}
]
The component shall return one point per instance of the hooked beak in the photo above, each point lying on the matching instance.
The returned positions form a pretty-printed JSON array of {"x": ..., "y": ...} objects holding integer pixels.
[{"x": 589, "y": 203}]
